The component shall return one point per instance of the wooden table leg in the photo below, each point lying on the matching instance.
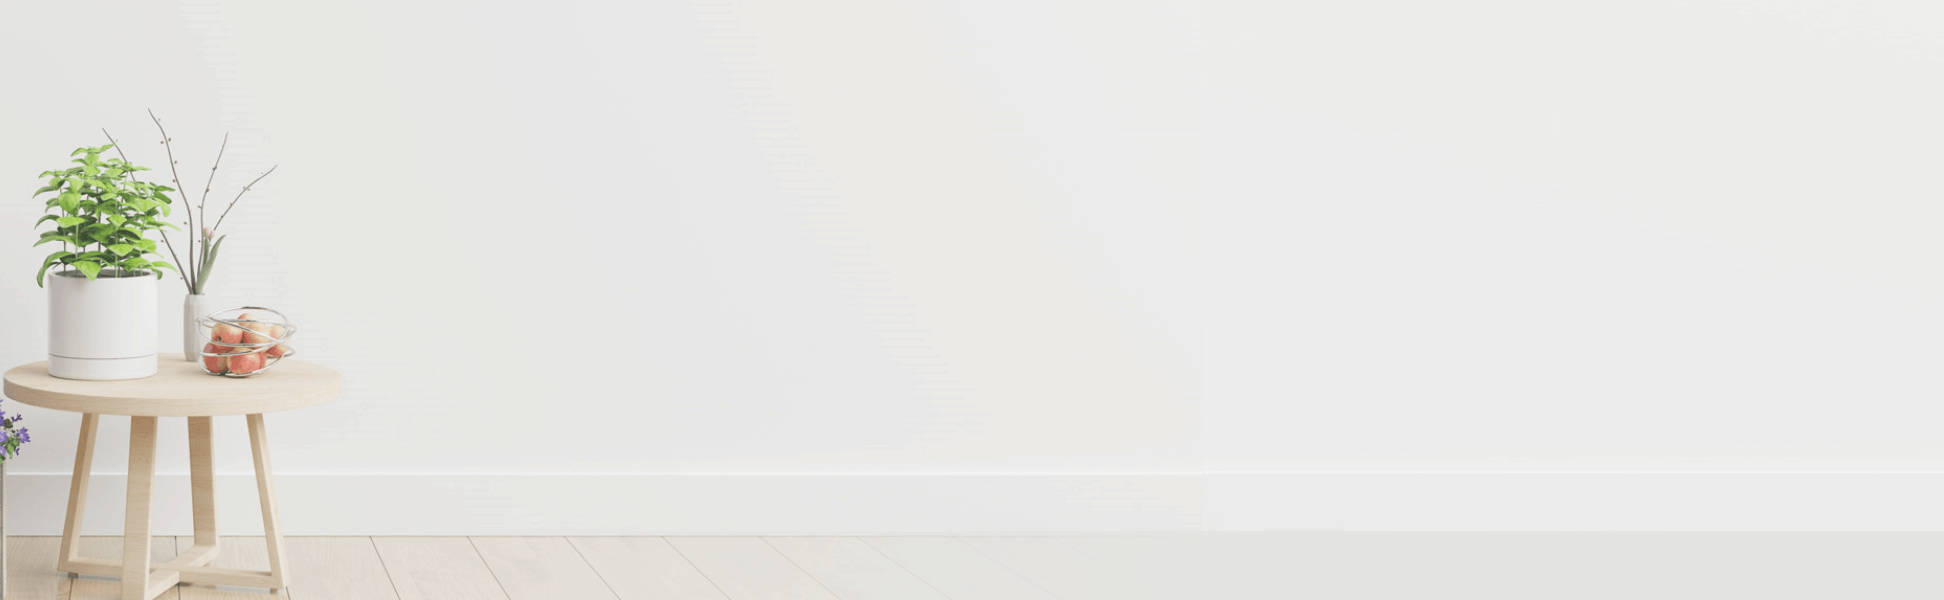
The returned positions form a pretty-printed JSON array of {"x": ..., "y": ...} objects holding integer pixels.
[
  {"x": 135, "y": 532},
  {"x": 202, "y": 489},
  {"x": 267, "y": 493},
  {"x": 78, "y": 493}
]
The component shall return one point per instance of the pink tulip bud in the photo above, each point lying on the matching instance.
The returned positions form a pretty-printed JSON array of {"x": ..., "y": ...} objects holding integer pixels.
[{"x": 208, "y": 233}]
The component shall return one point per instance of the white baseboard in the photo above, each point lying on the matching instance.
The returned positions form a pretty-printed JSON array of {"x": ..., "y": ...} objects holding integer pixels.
[
  {"x": 1568, "y": 501},
  {"x": 893, "y": 504},
  {"x": 637, "y": 504}
]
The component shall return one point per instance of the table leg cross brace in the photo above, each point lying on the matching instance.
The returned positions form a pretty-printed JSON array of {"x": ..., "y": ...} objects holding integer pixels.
[{"x": 142, "y": 580}]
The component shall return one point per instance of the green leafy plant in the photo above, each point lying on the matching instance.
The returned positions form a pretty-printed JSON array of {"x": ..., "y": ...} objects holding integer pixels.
[{"x": 103, "y": 219}]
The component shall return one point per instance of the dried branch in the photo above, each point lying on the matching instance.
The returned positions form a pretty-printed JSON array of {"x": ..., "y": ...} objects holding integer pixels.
[
  {"x": 212, "y": 179},
  {"x": 239, "y": 196},
  {"x": 179, "y": 187},
  {"x": 164, "y": 232}
]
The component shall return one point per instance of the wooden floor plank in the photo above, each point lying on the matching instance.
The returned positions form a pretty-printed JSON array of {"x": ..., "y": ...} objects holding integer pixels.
[
  {"x": 747, "y": 568},
  {"x": 93, "y": 587},
  {"x": 437, "y": 568},
  {"x": 645, "y": 568},
  {"x": 853, "y": 569},
  {"x": 541, "y": 568},
  {"x": 1174, "y": 566},
  {"x": 957, "y": 569},
  {"x": 337, "y": 568},
  {"x": 1139, "y": 552},
  {"x": 1060, "y": 568},
  {"x": 30, "y": 569},
  {"x": 238, "y": 552}
]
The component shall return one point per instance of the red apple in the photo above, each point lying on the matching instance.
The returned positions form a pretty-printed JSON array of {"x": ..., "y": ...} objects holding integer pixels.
[
  {"x": 246, "y": 363},
  {"x": 277, "y": 333},
  {"x": 215, "y": 364},
  {"x": 260, "y": 333},
  {"x": 227, "y": 333}
]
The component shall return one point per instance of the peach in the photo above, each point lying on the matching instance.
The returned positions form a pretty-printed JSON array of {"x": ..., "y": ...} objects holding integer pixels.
[
  {"x": 215, "y": 364},
  {"x": 279, "y": 350},
  {"x": 246, "y": 363}
]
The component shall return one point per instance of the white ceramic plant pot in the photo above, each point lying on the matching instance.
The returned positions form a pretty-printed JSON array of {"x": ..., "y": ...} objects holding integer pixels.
[
  {"x": 101, "y": 329},
  {"x": 194, "y": 306}
]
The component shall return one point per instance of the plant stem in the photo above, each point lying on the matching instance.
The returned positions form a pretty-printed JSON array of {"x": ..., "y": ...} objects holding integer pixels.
[
  {"x": 212, "y": 179},
  {"x": 164, "y": 232},
  {"x": 187, "y": 214},
  {"x": 239, "y": 196}
]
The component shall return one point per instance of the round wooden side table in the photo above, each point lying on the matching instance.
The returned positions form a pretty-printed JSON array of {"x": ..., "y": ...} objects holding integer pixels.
[{"x": 179, "y": 388}]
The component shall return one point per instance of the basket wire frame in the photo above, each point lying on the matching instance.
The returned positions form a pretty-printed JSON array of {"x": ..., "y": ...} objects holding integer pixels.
[{"x": 229, "y": 316}]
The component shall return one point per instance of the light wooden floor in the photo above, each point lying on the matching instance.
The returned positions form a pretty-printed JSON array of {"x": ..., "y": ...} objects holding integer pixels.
[{"x": 641, "y": 568}]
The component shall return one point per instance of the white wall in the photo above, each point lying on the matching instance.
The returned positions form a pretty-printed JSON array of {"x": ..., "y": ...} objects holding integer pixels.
[
  {"x": 939, "y": 266},
  {"x": 1642, "y": 265},
  {"x": 577, "y": 258}
]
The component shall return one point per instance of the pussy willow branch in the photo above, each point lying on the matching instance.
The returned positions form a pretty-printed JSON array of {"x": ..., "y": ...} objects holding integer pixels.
[
  {"x": 239, "y": 196},
  {"x": 212, "y": 179},
  {"x": 164, "y": 232},
  {"x": 190, "y": 215}
]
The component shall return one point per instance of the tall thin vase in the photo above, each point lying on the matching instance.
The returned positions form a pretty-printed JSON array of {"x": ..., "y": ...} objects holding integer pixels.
[{"x": 194, "y": 306}]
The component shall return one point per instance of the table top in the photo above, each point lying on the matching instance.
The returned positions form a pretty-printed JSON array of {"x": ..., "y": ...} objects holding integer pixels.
[{"x": 178, "y": 388}]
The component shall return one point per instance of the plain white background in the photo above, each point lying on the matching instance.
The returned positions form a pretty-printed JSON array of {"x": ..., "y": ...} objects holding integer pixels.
[
  {"x": 1590, "y": 265},
  {"x": 1650, "y": 233}
]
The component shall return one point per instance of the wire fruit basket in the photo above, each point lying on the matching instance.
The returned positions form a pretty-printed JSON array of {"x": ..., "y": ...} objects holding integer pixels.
[{"x": 244, "y": 341}]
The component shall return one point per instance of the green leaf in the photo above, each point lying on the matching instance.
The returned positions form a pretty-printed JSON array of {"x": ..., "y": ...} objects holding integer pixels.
[
  {"x": 164, "y": 265},
  {"x": 44, "y": 219},
  {"x": 50, "y": 187},
  {"x": 79, "y": 151},
  {"x": 70, "y": 201},
  {"x": 60, "y": 238},
  {"x": 147, "y": 245},
  {"x": 89, "y": 268},
  {"x": 70, "y": 221},
  {"x": 121, "y": 249},
  {"x": 208, "y": 262},
  {"x": 91, "y": 170},
  {"x": 40, "y": 278}
]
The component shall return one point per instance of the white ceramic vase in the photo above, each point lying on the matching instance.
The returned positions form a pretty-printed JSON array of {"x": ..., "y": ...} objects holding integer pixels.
[
  {"x": 194, "y": 306},
  {"x": 101, "y": 329}
]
